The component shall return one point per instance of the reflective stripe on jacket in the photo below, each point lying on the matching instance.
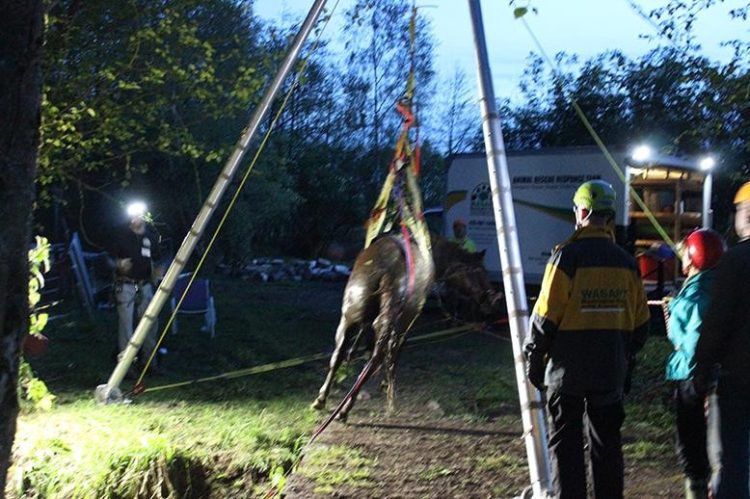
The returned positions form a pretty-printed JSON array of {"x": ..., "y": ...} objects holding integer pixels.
[
  {"x": 686, "y": 314},
  {"x": 591, "y": 314}
]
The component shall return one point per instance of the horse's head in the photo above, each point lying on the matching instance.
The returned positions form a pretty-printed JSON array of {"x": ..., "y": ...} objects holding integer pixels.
[{"x": 466, "y": 287}]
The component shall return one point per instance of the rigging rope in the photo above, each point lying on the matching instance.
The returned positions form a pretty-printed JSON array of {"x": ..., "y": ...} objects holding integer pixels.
[
  {"x": 441, "y": 335},
  {"x": 587, "y": 124}
]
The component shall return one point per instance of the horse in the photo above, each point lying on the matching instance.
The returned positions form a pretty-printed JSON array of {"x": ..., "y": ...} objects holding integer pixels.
[{"x": 380, "y": 300}]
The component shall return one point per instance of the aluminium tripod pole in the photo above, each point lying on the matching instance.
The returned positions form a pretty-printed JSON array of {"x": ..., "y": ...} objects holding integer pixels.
[
  {"x": 532, "y": 408},
  {"x": 111, "y": 392}
]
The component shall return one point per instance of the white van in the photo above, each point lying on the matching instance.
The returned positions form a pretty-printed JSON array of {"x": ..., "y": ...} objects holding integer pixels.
[{"x": 543, "y": 183}]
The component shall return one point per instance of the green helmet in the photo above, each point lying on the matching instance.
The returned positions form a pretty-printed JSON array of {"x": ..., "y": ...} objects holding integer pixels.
[{"x": 596, "y": 195}]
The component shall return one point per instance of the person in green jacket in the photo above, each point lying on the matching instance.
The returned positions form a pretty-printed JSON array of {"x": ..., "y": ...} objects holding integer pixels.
[
  {"x": 461, "y": 238},
  {"x": 701, "y": 251}
]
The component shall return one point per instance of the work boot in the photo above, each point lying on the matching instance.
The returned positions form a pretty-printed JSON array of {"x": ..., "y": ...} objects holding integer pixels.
[{"x": 696, "y": 489}]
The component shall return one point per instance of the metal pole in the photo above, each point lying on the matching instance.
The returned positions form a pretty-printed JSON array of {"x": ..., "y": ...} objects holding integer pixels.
[
  {"x": 111, "y": 392},
  {"x": 707, "y": 212},
  {"x": 532, "y": 407}
]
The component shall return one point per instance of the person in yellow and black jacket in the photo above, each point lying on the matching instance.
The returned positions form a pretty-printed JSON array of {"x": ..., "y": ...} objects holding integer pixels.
[{"x": 589, "y": 321}]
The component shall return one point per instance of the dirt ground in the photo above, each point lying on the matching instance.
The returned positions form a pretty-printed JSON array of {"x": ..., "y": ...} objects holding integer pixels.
[
  {"x": 420, "y": 452},
  {"x": 417, "y": 453}
]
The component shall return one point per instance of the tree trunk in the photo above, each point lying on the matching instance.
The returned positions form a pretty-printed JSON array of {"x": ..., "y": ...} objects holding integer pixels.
[{"x": 21, "y": 30}]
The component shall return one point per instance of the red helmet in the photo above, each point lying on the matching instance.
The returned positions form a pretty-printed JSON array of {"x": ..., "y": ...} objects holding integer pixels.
[{"x": 704, "y": 248}]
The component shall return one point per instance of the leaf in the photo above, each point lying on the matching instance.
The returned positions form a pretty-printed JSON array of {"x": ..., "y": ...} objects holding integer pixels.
[
  {"x": 278, "y": 478},
  {"x": 40, "y": 322},
  {"x": 519, "y": 12}
]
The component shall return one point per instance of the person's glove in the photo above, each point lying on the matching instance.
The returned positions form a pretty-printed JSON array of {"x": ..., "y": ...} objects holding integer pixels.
[{"x": 535, "y": 367}]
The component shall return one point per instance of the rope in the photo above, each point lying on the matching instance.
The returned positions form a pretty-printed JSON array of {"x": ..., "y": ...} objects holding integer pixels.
[
  {"x": 273, "y": 366},
  {"x": 242, "y": 372},
  {"x": 587, "y": 124},
  {"x": 232, "y": 202}
]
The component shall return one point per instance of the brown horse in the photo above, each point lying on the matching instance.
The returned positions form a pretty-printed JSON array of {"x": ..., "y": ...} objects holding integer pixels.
[{"x": 378, "y": 302}]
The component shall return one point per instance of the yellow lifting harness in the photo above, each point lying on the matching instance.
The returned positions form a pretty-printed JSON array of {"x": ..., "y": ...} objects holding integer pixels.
[{"x": 400, "y": 199}]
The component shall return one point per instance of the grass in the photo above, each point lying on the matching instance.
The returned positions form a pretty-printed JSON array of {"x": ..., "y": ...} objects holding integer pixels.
[
  {"x": 221, "y": 439},
  {"x": 84, "y": 450},
  {"x": 238, "y": 438},
  {"x": 503, "y": 463},
  {"x": 435, "y": 472},
  {"x": 337, "y": 465}
]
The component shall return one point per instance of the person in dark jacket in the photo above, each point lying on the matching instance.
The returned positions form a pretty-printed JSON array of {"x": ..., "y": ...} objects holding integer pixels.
[
  {"x": 723, "y": 355},
  {"x": 590, "y": 319},
  {"x": 701, "y": 251},
  {"x": 135, "y": 250}
]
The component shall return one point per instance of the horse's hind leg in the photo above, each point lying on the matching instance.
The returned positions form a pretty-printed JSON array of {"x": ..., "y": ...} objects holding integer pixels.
[
  {"x": 389, "y": 371},
  {"x": 391, "y": 360},
  {"x": 336, "y": 358},
  {"x": 375, "y": 360},
  {"x": 382, "y": 327}
]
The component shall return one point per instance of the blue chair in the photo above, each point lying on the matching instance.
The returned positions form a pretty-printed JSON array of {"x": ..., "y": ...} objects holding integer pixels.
[{"x": 198, "y": 300}]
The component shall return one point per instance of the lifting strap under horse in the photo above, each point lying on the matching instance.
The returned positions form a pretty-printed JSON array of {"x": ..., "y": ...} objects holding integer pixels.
[{"x": 400, "y": 199}]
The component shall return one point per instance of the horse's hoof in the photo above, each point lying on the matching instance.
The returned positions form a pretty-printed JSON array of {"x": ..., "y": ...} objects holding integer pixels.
[
  {"x": 318, "y": 405},
  {"x": 341, "y": 417}
]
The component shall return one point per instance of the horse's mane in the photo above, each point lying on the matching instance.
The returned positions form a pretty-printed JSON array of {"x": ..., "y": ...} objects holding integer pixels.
[{"x": 446, "y": 253}]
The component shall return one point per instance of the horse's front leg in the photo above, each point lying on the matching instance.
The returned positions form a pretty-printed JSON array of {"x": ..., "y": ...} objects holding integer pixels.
[{"x": 334, "y": 364}]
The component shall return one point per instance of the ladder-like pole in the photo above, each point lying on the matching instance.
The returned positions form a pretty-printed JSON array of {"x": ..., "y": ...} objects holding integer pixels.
[
  {"x": 111, "y": 391},
  {"x": 707, "y": 212},
  {"x": 532, "y": 408}
]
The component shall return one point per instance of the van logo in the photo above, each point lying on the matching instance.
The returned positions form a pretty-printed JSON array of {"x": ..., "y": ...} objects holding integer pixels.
[{"x": 481, "y": 200}]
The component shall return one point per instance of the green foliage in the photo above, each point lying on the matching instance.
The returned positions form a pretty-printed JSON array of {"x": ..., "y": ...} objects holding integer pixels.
[
  {"x": 676, "y": 101},
  {"x": 39, "y": 264},
  {"x": 150, "y": 80},
  {"x": 151, "y": 96},
  {"x": 33, "y": 389}
]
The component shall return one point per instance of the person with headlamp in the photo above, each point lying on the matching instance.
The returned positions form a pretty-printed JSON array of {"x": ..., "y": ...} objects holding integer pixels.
[{"x": 135, "y": 249}]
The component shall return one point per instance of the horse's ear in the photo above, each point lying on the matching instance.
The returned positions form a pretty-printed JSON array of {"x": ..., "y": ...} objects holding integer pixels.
[{"x": 480, "y": 255}]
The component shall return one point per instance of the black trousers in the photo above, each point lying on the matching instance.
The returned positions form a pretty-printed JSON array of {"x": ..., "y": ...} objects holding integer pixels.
[
  {"x": 690, "y": 439},
  {"x": 601, "y": 415}
]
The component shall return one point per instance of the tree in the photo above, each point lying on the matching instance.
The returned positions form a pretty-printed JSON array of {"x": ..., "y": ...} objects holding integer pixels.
[
  {"x": 459, "y": 117},
  {"x": 21, "y": 32},
  {"x": 130, "y": 83},
  {"x": 378, "y": 64},
  {"x": 153, "y": 106}
]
